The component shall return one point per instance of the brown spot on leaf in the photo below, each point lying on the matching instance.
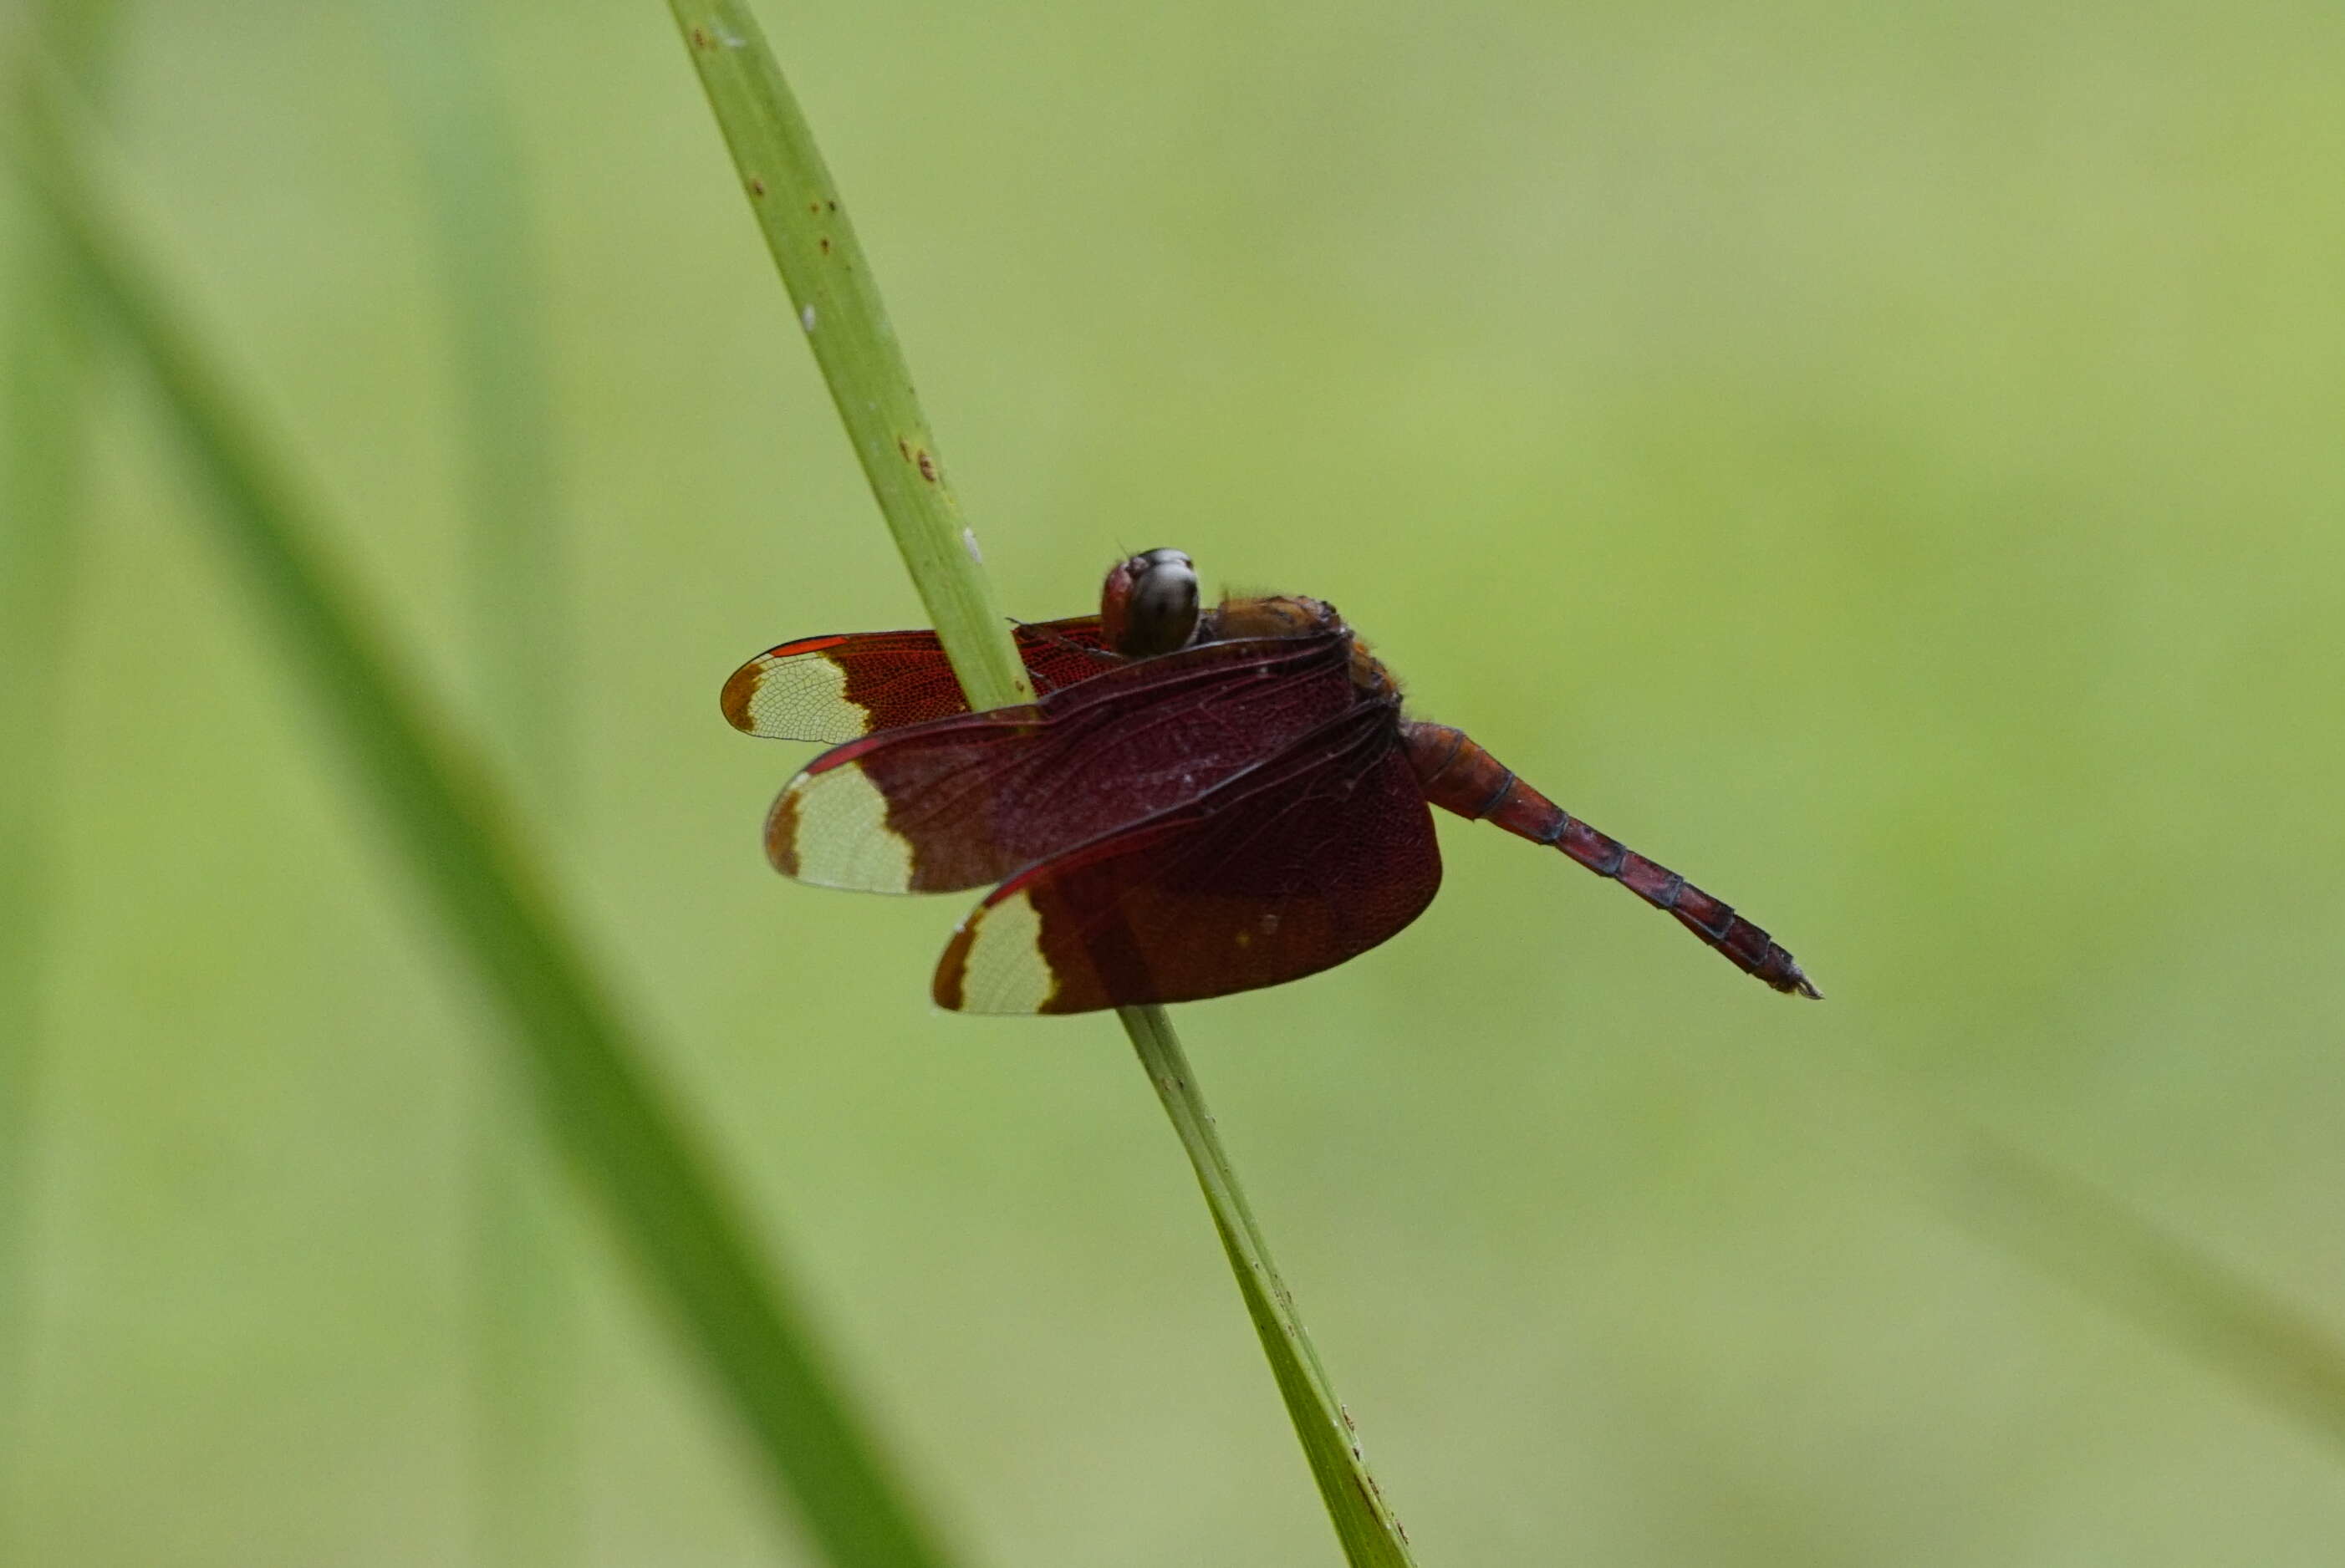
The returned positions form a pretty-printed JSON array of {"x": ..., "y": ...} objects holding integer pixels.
[
  {"x": 826, "y": 245},
  {"x": 700, "y": 39},
  {"x": 756, "y": 185},
  {"x": 927, "y": 466},
  {"x": 903, "y": 451}
]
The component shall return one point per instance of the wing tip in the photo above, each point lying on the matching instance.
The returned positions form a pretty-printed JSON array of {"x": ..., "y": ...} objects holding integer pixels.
[
  {"x": 782, "y": 832},
  {"x": 997, "y": 962},
  {"x": 741, "y": 690},
  {"x": 952, "y": 970}
]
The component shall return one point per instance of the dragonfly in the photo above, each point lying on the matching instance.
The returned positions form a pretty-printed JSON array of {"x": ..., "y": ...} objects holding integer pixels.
[{"x": 1199, "y": 801}]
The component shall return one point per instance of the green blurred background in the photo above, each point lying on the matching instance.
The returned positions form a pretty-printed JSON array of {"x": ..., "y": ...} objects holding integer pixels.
[{"x": 1882, "y": 461}]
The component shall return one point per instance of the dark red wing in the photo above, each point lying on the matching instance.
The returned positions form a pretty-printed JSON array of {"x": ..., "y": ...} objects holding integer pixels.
[
  {"x": 837, "y": 688},
  {"x": 961, "y": 802},
  {"x": 1288, "y": 868}
]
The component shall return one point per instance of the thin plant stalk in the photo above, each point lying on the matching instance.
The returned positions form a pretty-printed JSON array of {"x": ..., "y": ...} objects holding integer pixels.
[
  {"x": 831, "y": 284},
  {"x": 43, "y": 381},
  {"x": 525, "y": 1355},
  {"x": 2106, "y": 1248},
  {"x": 48, "y": 367},
  {"x": 1367, "y": 1528},
  {"x": 588, "y": 1069},
  {"x": 2072, "y": 1230}
]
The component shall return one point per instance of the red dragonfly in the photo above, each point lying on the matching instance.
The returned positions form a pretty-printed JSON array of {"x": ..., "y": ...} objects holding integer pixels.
[{"x": 1199, "y": 802}]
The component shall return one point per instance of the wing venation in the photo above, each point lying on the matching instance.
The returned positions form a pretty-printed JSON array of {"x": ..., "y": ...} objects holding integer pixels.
[
  {"x": 965, "y": 801},
  {"x": 1291, "y": 866},
  {"x": 838, "y": 688}
]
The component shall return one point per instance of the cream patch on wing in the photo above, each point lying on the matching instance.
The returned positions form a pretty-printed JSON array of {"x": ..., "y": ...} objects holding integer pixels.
[
  {"x": 1003, "y": 967},
  {"x": 831, "y": 829},
  {"x": 801, "y": 697}
]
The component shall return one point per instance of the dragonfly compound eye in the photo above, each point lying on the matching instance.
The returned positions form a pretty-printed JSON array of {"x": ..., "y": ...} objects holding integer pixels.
[{"x": 1150, "y": 605}]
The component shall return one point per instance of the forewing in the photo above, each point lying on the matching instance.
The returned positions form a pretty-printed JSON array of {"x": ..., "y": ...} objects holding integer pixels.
[
  {"x": 1308, "y": 859},
  {"x": 837, "y": 688},
  {"x": 962, "y": 802}
]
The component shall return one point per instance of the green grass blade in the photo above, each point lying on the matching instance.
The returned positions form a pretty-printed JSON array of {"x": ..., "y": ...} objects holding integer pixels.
[
  {"x": 2105, "y": 1248},
  {"x": 1364, "y": 1523},
  {"x": 525, "y": 1350},
  {"x": 588, "y": 1071},
  {"x": 43, "y": 381},
  {"x": 478, "y": 206},
  {"x": 47, "y": 366},
  {"x": 813, "y": 242},
  {"x": 831, "y": 284},
  {"x": 2079, "y": 1234}
]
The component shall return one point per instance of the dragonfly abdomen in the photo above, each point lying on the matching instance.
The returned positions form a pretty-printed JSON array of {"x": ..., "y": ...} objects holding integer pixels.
[{"x": 1458, "y": 775}]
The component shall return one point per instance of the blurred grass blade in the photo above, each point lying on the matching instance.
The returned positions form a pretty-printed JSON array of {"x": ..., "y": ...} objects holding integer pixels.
[
  {"x": 601, "y": 1099},
  {"x": 2097, "y": 1244},
  {"x": 831, "y": 284},
  {"x": 478, "y": 206},
  {"x": 526, "y": 1345},
  {"x": 47, "y": 368},
  {"x": 2074, "y": 1231},
  {"x": 43, "y": 381}
]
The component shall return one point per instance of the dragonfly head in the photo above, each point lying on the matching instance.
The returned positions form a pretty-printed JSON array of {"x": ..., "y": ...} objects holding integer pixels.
[{"x": 1148, "y": 604}]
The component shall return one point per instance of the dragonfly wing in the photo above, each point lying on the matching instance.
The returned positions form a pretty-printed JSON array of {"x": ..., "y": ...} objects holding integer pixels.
[
  {"x": 838, "y": 688},
  {"x": 961, "y": 802},
  {"x": 1293, "y": 866}
]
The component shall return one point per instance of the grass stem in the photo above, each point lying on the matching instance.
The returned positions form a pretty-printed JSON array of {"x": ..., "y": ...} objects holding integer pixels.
[
  {"x": 1364, "y": 1523},
  {"x": 588, "y": 1069},
  {"x": 831, "y": 284},
  {"x": 49, "y": 366},
  {"x": 525, "y": 1355}
]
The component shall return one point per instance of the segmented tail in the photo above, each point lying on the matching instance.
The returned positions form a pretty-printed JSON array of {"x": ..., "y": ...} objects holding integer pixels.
[{"x": 1458, "y": 775}]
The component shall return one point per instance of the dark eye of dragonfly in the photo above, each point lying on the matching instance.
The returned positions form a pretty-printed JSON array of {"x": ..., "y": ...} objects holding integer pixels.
[
  {"x": 1149, "y": 605},
  {"x": 1152, "y": 875}
]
